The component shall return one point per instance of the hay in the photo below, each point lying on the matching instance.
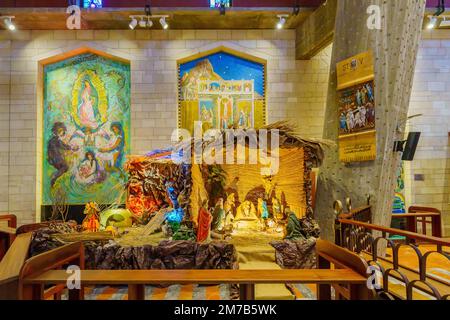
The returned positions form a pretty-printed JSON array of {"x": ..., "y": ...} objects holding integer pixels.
[{"x": 83, "y": 236}]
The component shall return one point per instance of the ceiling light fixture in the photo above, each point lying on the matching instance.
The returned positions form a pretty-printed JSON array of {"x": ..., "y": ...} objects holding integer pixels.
[
  {"x": 282, "y": 20},
  {"x": 445, "y": 23},
  {"x": 163, "y": 22},
  {"x": 142, "y": 23},
  {"x": 432, "y": 23},
  {"x": 145, "y": 21},
  {"x": 9, "y": 23},
  {"x": 133, "y": 23}
]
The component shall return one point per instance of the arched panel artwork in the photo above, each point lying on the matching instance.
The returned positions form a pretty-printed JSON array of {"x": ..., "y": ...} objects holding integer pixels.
[
  {"x": 223, "y": 89},
  {"x": 86, "y": 129}
]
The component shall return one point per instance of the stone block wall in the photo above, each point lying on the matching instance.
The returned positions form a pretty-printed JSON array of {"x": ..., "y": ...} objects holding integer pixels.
[
  {"x": 431, "y": 98},
  {"x": 296, "y": 90}
]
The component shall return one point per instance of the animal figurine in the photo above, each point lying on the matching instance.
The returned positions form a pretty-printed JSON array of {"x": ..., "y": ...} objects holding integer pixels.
[
  {"x": 120, "y": 218},
  {"x": 91, "y": 222}
]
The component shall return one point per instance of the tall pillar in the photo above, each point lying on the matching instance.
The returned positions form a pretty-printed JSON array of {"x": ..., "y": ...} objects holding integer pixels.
[{"x": 394, "y": 48}]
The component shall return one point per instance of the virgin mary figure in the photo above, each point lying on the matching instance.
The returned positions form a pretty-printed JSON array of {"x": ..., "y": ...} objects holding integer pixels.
[{"x": 86, "y": 111}]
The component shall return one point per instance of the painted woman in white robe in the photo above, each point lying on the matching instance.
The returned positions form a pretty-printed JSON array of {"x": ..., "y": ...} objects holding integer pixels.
[{"x": 86, "y": 109}]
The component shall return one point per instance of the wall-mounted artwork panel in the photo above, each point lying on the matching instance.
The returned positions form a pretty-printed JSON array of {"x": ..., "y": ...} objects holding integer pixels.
[
  {"x": 223, "y": 89},
  {"x": 86, "y": 129}
]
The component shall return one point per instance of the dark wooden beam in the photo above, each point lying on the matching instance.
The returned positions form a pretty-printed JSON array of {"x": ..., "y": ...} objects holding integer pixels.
[{"x": 316, "y": 32}]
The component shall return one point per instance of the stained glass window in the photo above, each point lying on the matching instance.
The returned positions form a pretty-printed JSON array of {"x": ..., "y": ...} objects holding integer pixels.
[
  {"x": 92, "y": 3},
  {"x": 216, "y": 3}
]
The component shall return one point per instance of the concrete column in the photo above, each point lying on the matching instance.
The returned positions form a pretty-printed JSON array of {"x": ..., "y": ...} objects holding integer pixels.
[{"x": 395, "y": 49}]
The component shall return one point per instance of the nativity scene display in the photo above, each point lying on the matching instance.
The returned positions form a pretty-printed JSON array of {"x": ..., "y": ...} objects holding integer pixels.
[
  {"x": 86, "y": 128},
  {"x": 222, "y": 90},
  {"x": 222, "y": 201},
  {"x": 184, "y": 215}
]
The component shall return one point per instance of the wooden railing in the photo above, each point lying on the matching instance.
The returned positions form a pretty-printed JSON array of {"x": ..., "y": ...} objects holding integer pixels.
[
  {"x": 348, "y": 278},
  {"x": 362, "y": 238},
  {"x": 10, "y": 266},
  {"x": 422, "y": 216},
  {"x": 8, "y": 223}
]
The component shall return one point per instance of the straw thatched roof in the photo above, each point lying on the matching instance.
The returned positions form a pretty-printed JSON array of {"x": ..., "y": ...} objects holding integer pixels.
[{"x": 288, "y": 138}]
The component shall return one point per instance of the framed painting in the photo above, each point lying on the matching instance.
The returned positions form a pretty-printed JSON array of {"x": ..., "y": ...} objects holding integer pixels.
[
  {"x": 223, "y": 89},
  {"x": 86, "y": 129}
]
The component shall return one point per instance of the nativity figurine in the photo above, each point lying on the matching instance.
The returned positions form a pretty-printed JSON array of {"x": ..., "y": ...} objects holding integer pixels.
[
  {"x": 91, "y": 222},
  {"x": 204, "y": 224}
]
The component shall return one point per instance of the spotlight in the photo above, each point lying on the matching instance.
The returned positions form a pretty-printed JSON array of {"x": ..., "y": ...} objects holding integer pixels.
[
  {"x": 149, "y": 22},
  {"x": 445, "y": 23},
  {"x": 142, "y": 23},
  {"x": 282, "y": 21},
  {"x": 9, "y": 24},
  {"x": 133, "y": 23},
  {"x": 433, "y": 22},
  {"x": 163, "y": 23}
]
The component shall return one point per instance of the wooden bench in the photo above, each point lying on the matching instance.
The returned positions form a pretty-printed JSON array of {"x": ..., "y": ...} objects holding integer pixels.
[
  {"x": 424, "y": 216},
  {"x": 11, "y": 264},
  {"x": 137, "y": 279},
  {"x": 8, "y": 224},
  {"x": 329, "y": 254},
  {"x": 38, "y": 272},
  {"x": 70, "y": 254}
]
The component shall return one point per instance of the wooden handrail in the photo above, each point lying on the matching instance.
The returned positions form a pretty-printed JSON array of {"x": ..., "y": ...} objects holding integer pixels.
[
  {"x": 213, "y": 276},
  {"x": 410, "y": 235},
  {"x": 39, "y": 272},
  {"x": 328, "y": 253},
  {"x": 53, "y": 259},
  {"x": 7, "y": 232},
  {"x": 137, "y": 279},
  {"x": 417, "y": 209},
  {"x": 11, "y": 265}
]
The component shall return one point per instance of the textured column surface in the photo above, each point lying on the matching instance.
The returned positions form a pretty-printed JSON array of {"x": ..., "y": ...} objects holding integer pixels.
[{"x": 395, "y": 49}]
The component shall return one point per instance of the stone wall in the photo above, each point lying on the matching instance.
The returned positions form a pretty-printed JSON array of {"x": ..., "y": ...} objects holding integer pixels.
[
  {"x": 296, "y": 90},
  {"x": 431, "y": 98}
]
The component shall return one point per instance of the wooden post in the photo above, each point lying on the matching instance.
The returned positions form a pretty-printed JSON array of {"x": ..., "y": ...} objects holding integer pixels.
[
  {"x": 136, "y": 292},
  {"x": 323, "y": 290},
  {"x": 247, "y": 291},
  {"x": 394, "y": 48},
  {"x": 32, "y": 292}
]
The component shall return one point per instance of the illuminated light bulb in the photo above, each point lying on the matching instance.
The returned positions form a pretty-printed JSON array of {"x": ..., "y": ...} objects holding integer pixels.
[
  {"x": 133, "y": 23},
  {"x": 433, "y": 22},
  {"x": 281, "y": 23},
  {"x": 163, "y": 23},
  {"x": 9, "y": 24}
]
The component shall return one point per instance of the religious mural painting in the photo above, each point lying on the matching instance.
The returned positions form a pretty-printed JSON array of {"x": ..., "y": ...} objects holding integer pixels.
[
  {"x": 86, "y": 125},
  {"x": 222, "y": 90},
  {"x": 356, "y": 108}
]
